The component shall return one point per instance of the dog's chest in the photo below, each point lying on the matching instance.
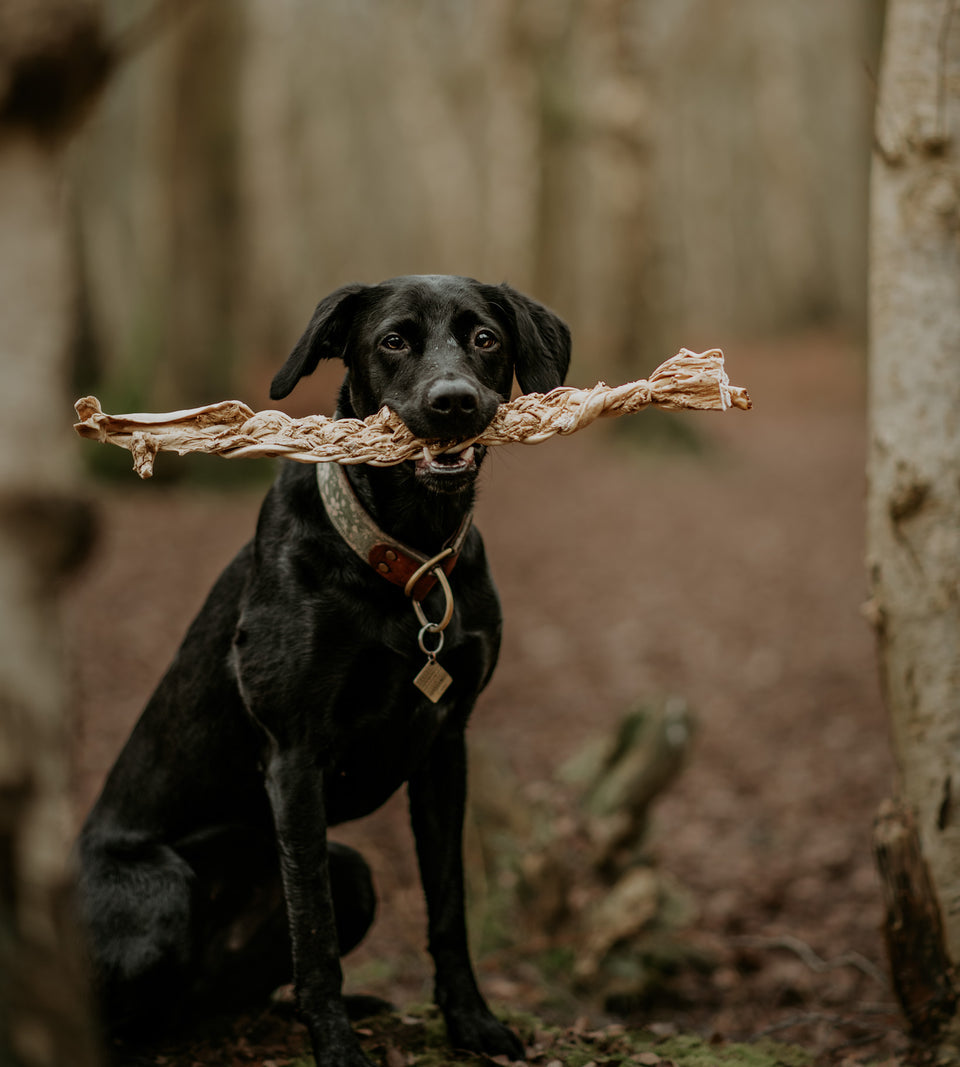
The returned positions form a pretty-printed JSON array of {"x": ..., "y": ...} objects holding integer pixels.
[
  {"x": 385, "y": 726},
  {"x": 374, "y": 762}
]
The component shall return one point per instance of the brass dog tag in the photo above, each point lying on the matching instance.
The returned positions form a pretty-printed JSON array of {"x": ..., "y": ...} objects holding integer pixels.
[{"x": 432, "y": 680}]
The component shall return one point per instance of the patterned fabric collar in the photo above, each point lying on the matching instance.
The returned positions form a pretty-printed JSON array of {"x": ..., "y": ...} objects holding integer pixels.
[{"x": 390, "y": 558}]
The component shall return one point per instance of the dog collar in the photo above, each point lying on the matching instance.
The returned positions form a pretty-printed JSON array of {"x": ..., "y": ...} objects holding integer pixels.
[{"x": 392, "y": 559}]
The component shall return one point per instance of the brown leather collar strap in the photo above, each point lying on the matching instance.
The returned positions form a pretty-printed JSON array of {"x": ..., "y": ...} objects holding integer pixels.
[{"x": 390, "y": 558}]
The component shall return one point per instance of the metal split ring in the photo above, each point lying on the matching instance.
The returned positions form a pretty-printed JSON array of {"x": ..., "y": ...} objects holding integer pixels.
[{"x": 430, "y": 628}]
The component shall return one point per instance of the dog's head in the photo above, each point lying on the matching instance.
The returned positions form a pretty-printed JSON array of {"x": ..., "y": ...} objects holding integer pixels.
[{"x": 441, "y": 351}]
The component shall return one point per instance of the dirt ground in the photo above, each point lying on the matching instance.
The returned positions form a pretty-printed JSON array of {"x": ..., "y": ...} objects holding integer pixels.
[{"x": 733, "y": 578}]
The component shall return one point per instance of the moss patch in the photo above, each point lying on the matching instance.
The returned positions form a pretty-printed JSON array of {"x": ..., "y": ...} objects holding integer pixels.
[{"x": 417, "y": 1038}]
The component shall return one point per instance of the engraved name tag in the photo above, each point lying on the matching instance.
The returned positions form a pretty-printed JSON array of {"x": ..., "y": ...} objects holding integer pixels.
[{"x": 432, "y": 681}]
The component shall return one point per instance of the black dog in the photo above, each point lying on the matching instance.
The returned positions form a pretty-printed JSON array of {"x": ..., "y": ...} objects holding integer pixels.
[{"x": 310, "y": 687}]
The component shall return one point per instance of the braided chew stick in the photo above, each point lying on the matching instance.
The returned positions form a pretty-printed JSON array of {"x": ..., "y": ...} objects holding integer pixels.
[{"x": 687, "y": 380}]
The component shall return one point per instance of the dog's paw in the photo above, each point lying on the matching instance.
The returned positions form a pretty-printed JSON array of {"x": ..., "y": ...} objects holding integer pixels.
[
  {"x": 481, "y": 1032},
  {"x": 341, "y": 1054},
  {"x": 336, "y": 1045},
  {"x": 353, "y": 1057}
]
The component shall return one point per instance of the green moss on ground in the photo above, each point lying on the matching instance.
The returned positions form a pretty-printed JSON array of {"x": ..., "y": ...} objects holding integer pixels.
[{"x": 417, "y": 1038}]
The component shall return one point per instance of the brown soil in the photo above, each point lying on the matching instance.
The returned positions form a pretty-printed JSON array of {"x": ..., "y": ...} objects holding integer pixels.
[{"x": 733, "y": 578}]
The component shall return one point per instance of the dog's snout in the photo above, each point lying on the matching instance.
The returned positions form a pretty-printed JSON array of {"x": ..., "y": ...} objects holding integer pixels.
[
  {"x": 449, "y": 406},
  {"x": 452, "y": 397}
]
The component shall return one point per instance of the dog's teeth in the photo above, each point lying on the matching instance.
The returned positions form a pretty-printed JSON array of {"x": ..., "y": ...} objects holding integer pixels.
[
  {"x": 467, "y": 454},
  {"x": 427, "y": 457}
]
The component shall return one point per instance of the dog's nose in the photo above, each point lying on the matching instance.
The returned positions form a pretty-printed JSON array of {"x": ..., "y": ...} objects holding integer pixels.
[{"x": 452, "y": 397}]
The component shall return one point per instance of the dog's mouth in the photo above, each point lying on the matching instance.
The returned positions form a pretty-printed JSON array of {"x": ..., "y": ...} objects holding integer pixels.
[{"x": 446, "y": 463}]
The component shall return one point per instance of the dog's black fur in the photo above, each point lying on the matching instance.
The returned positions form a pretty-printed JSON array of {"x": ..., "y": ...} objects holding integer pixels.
[{"x": 290, "y": 706}]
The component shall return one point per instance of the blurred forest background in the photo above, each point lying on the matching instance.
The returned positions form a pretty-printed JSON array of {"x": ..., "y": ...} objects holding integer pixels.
[{"x": 663, "y": 172}]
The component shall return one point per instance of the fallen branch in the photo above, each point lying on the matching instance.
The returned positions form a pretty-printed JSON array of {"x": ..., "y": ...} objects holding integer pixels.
[
  {"x": 688, "y": 380},
  {"x": 805, "y": 953},
  {"x": 831, "y": 1019}
]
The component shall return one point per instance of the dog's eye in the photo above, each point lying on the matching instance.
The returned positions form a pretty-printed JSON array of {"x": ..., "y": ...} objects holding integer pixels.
[
  {"x": 486, "y": 339},
  {"x": 393, "y": 342}
]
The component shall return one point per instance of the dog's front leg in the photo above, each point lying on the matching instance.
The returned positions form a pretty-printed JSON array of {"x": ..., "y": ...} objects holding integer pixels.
[
  {"x": 437, "y": 801},
  {"x": 295, "y": 788}
]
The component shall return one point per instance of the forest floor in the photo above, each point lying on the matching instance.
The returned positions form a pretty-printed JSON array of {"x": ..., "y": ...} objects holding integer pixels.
[{"x": 730, "y": 575}]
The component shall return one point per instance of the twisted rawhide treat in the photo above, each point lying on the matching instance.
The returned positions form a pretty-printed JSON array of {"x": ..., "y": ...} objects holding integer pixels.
[{"x": 688, "y": 380}]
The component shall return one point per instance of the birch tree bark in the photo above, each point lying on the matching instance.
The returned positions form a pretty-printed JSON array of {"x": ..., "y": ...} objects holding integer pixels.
[
  {"x": 913, "y": 526},
  {"x": 52, "y": 60}
]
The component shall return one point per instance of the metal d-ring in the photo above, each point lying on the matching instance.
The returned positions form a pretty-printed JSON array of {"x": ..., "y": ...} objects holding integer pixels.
[
  {"x": 433, "y": 566},
  {"x": 437, "y": 627},
  {"x": 423, "y": 568}
]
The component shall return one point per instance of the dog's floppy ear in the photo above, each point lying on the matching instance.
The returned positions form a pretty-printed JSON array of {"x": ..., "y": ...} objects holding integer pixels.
[
  {"x": 541, "y": 341},
  {"x": 324, "y": 338}
]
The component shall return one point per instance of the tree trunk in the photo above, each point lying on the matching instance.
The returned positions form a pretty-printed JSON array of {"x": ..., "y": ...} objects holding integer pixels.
[
  {"x": 913, "y": 925},
  {"x": 198, "y": 150},
  {"x": 913, "y": 527},
  {"x": 51, "y": 62}
]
